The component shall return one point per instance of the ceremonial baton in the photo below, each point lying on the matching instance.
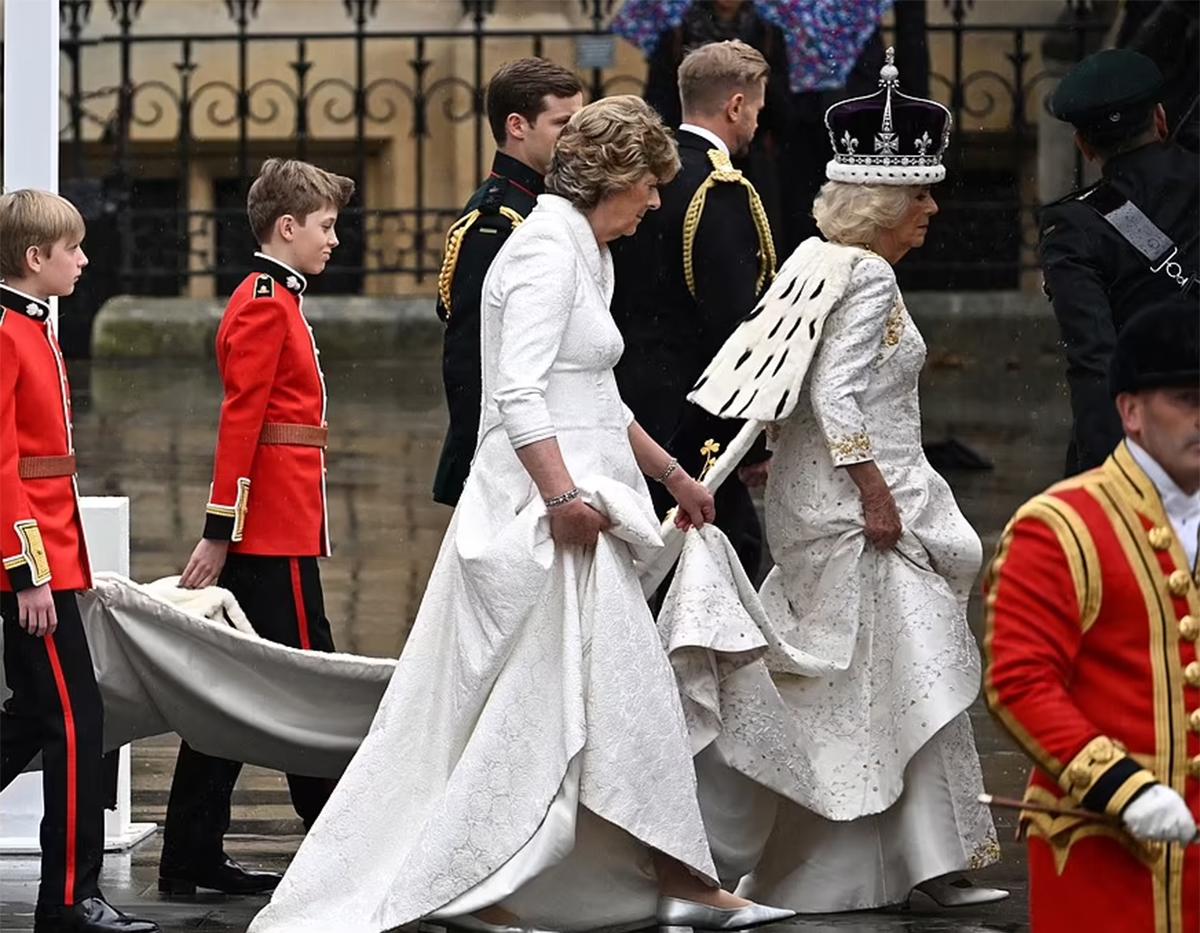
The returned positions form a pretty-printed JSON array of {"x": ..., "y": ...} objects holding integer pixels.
[
  {"x": 655, "y": 570},
  {"x": 1008, "y": 803}
]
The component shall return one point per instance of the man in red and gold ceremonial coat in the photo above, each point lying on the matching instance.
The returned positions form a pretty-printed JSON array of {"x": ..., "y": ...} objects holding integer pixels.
[
  {"x": 1093, "y": 617},
  {"x": 55, "y": 708},
  {"x": 266, "y": 522}
]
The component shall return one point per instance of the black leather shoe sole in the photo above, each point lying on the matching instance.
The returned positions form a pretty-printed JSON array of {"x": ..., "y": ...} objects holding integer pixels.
[
  {"x": 186, "y": 887},
  {"x": 176, "y": 887},
  {"x": 106, "y": 919}
]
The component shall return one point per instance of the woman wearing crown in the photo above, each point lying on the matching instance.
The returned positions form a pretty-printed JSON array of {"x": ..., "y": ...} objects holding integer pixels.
[{"x": 873, "y": 658}]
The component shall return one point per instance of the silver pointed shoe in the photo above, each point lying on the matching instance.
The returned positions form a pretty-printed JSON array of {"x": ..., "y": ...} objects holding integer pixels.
[
  {"x": 959, "y": 892},
  {"x": 676, "y": 915}
]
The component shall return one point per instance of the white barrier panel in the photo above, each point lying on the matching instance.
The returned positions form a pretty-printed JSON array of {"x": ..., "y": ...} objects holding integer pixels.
[{"x": 106, "y": 529}]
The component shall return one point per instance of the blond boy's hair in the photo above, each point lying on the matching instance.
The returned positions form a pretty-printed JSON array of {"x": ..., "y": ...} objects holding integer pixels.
[
  {"x": 29, "y": 217},
  {"x": 289, "y": 186},
  {"x": 711, "y": 74}
]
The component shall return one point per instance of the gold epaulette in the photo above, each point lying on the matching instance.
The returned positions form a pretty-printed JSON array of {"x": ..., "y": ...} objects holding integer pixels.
[
  {"x": 264, "y": 286},
  {"x": 454, "y": 239},
  {"x": 724, "y": 172}
]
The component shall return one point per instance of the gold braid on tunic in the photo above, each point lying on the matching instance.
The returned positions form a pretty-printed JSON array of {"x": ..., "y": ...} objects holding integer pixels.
[
  {"x": 454, "y": 239},
  {"x": 723, "y": 171}
]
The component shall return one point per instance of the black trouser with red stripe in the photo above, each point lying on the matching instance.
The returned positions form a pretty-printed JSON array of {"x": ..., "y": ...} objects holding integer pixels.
[
  {"x": 282, "y": 598},
  {"x": 56, "y": 709}
]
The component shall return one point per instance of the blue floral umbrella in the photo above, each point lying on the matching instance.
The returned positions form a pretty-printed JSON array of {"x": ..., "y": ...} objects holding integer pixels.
[{"x": 824, "y": 37}]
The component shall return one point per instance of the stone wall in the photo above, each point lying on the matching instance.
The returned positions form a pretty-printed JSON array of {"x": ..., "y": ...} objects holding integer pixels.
[
  {"x": 347, "y": 327},
  {"x": 1004, "y": 327}
]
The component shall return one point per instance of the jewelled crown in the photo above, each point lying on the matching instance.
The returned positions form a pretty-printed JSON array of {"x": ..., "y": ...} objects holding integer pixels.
[{"x": 888, "y": 138}]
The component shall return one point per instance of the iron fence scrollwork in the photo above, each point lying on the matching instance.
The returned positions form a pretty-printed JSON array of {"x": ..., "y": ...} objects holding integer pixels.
[{"x": 355, "y": 97}]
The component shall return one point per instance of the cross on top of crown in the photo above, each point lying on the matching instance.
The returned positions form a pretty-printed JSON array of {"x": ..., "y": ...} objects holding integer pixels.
[{"x": 889, "y": 74}]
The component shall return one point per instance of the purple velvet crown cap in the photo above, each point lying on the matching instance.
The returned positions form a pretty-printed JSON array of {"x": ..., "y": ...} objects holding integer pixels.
[{"x": 889, "y": 137}]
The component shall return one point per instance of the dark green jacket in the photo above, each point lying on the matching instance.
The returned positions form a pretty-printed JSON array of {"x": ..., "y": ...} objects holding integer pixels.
[{"x": 502, "y": 202}]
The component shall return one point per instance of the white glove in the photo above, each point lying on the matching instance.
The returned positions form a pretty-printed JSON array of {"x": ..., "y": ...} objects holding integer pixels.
[{"x": 1160, "y": 814}]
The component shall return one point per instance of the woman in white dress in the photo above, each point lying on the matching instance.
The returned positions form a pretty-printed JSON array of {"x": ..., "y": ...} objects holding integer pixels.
[
  {"x": 872, "y": 760},
  {"x": 529, "y": 765}
]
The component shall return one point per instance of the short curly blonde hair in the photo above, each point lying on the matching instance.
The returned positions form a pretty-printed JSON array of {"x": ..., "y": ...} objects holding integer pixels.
[
  {"x": 609, "y": 146},
  {"x": 855, "y": 215}
]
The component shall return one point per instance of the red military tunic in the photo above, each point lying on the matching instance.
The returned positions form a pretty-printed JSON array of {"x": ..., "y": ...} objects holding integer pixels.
[
  {"x": 1093, "y": 615},
  {"x": 268, "y": 490},
  {"x": 41, "y": 532}
]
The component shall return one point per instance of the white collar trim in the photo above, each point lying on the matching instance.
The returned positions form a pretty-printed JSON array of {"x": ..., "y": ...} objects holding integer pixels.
[
  {"x": 279, "y": 262},
  {"x": 706, "y": 134},
  {"x": 1177, "y": 503}
]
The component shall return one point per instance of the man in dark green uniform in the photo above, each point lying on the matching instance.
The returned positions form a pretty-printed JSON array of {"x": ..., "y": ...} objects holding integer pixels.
[
  {"x": 529, "y": 101},
  {"x": 1124, "y": 244}
]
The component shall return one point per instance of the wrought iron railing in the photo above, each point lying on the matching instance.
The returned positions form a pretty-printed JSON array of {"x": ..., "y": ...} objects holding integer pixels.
[{"x": 131, "y": 142}]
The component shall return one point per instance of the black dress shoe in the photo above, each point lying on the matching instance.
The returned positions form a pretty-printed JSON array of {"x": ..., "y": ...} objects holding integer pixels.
[
  {"x": 227, "y": 876},
  {"x": 93, "y": 915}
]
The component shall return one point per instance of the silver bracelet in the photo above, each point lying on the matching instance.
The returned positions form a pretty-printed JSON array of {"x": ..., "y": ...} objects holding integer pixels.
[
  {"x": 665, "y": 474},
  {"x": 555, "y": 501}
]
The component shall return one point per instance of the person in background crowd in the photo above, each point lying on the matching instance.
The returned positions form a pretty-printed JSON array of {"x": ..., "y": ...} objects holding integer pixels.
[
  {"x": 529, "y": 101},
  {"x": 1168, "y": 33},
  {"x": 707, "y": 21},
  {"x": 1124, "y": 244},
  {"x": 819, "y": 51}
]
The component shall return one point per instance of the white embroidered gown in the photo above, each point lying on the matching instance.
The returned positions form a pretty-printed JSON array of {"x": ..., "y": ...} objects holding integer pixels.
[
  {"x": 875, "y": 662},
  {"x": 530, "y": 750}
]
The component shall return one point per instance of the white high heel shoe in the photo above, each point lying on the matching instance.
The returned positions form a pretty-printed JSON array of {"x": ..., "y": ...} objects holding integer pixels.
[
  {"x": 958, "y": 891},
  {"x": 676, "y": 915}
]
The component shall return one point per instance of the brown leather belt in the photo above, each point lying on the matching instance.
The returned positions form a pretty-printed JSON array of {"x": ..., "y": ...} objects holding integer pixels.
[
  {"x": 46, "y": 467},
  {"x": 295, "y": 435}
]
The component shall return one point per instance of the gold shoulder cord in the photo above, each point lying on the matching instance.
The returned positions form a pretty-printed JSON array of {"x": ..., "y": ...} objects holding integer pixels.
[
  {"x": 513, "y": 217},
  {"x": 454, "y": 239},
  {"x": 723, "y": 171}
]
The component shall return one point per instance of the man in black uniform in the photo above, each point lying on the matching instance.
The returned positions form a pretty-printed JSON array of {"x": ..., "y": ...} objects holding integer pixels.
[
  {"x": 529, "y": 101},
  {"x": 708, "y": 21},
  {"x": 1125, "y": 243},
  {"x": 694, "y": 268}
]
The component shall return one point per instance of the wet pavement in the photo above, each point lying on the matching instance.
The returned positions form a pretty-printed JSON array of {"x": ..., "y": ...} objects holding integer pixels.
[{"x": 147, "y": 431}]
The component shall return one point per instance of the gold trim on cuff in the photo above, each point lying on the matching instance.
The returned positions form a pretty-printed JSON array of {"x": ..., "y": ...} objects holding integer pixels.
[
  {"x": 237, "y": 511},
  {"x": 1061, "y": 833},
  {"x": 1093, "y": 762},
  {"x": 853, "y": 447},
  {"x": 33, "y": 552}
]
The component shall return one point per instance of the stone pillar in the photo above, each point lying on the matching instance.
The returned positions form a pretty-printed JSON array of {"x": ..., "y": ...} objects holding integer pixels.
[
  {"x": 31, "y": 115},
  {"x": 31, "y": 63}
]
